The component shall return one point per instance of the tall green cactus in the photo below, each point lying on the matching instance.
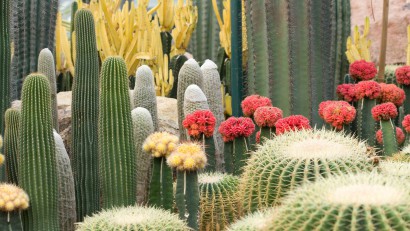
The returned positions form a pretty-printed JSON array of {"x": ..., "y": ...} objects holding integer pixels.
[
  {"x": 46, "y": 66},
  {"x": 143, "y": 127},
  {"x": 190, "y": 73},
  {"x": 37, "y": 160},
  {"x": 66, "y": 191},
  {"x": 390, "y": 145},
  {"x": 187, "y": 197},
  {"x": 5, "y": 58},
  {"x": 366, "y": 126},
  {"x": 11, "y": 135},
  {"x": 117, "y": 160},
  {"x": 85, "y": 117},
  {"x": 144, "y": 93}
]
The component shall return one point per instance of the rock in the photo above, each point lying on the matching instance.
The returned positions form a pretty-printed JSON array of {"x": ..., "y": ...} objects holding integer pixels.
[{"x": 168, "y": 115}]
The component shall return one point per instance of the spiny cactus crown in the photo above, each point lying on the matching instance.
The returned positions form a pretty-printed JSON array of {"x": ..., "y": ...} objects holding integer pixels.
[
  {"x": 160, "y": 144},
  {"x": 187, "y": 157},
  {"x": 394, "y": 168},
  {"x": 12, "y": 198},
  {"x": 144, "y": 77},
  {"x": 256, "y": 221},
  {"x": 194, "y": 99},
  {"x": 142, "y": 116}
]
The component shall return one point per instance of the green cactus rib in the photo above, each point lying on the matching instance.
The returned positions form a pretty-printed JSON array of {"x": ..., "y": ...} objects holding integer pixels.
[
  {"x": 161, "y": 189},
  {"x": 37, "y": 160},
  {"x": 210, "y": 150},
  {"x": 278, "y": 46},
  {"x": 406, "y": 106},
  {"x": 10, "y": 221},
  {"x": 117, "y": 161},
  {"x": 265, "y": 134},
  {"x": 5, "y": 54},
  {"x": 46, "y": 66},
  {"x": 187, "y": 197},
  {"x": 11, "y": 137},
  {"x": 249, "y": 78},
  {"x": 143, "y": 127},
  {"x": 366, "y": 126},
  {"x": 175, "y": 64},
  {"x": 74, "y": 9},
  {"x": 228, "y": 158},
  {"x": 389, "y": 137},
  {"x": 85, "y": 117},
  {"x": 240, "y": 155}
]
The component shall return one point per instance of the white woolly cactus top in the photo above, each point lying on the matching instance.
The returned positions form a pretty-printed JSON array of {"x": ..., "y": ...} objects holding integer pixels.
[
  {"x": 256, "y": 221},
  {"x": 187, "y": 157},
  {"x": 12, "y": 198},
  {"x": 393, "y": 168},
  {"x": 160, "y": 144},
  {"x": 210, "y": 178},
  {"x": 208, "y": 64},
  {"x": 194, "y": 94},
  {"x": 191, "y": 61},
  {"x": 144, "y": 77}
]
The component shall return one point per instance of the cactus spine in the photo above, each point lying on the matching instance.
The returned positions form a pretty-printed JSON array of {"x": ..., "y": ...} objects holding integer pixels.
[
  {"x": 144, "y": 93},
  {"x": 117, "y": 156},
  {"x": 46, "y": 66},
  {"x": 389, "y": 137},
  {"x": 11, "y": 135},
  {"x": 85, "y": 117},
  {"x": 187, "y": 197},
  {"x": 366, "y": 126},
  {"x": 190, "y": 73},
  {"x": 143, "y": 127},
  {"x": 37, "y": 160},
  {"x": 5, "y": 54},
  {"x": 66, "y": 190},
  {"x": 256, "y": 221}
]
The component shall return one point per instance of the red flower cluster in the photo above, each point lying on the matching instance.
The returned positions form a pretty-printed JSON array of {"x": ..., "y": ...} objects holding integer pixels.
[
  {"x": 362, "y": 70},
  {"x": 338, "y": 113},
  {"x": 322, "y": 107},
  {"x": 252, "y": 102},
  {"x": 346, "y": 92},
  {"x": 406, "y": 123},
  {"x": 384, "y": 111},
  {"x": 236, "y": 127},
  {"x": 267, "y": 116},
  {"x": 399, "y": 136},
  {"x": 403, "y": 75},
  {"x": 392, "y": 93},
  {"x": 292, "y": 123},
  {"x": 369, "y": 89},
  {"x": 200, "y": 122},
  {"x": 258, "y": 137}
]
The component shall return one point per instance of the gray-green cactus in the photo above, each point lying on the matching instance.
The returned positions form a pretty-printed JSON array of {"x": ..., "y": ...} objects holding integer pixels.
[
  {"x": 347, "y": 202},
  {"x": 133, "y": 218},
  {"x": 295, "y": 158},
  {"x": 46, "y": 67},
  {"x": 66, "y": 191},
  {"x": 11, "y": 145},
  {"x": 117, "y": 160},
  {"x": 37, "y": 160},
  {"x": 256, "y": 221},
  {"x": 144, "y": 93},
  {"x": 5, "y": 54},
  {"x": 85, "y": 117},
  {"x": 194, "y": 100},
  {"x": 190, "y": 73},
  {"x": 143, "y": 127}
]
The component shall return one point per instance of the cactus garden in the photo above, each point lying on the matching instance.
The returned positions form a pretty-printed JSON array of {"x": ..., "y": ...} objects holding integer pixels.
[{"x": 203, "y": 115}]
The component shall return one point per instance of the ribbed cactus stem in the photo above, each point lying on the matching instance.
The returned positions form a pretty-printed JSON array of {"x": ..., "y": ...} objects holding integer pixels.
[
  {"x": 85, "y": 117},
  {"x": 37, "y": 160},
  {"x": 406, "y": 89},
  {"x": 175, "y": 64},
  {"x": 5, "y": 59},
  {"x": 11, "y": 145},
  {"x": 46, "y": 66},
  {"x": 143, "y": 127},
  {"x": 187, "y": 197},
  {"x": 117, "y": 156},
  {"x": 190, "y": 73},
  {"x": 389, "y": 137},
  {"x": 144, "y": 93},
  {"x": 235, "y": 154},
  {"x": 66, "y": 191},
  {"x": 366, "y": 126},
  {"x": 161, "y": 190},
  {"x": 194, "y": 100}
]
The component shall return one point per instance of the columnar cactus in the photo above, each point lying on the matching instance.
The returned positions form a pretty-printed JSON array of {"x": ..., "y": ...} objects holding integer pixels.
[
  {"x": 37, "y": 160},
  {"x": 144, "y": 93},
  {"x": 294, "y": 158},
  {"x": 117, "y": 158},
  {"x": 133, "y": 218},
  {"x": 66, "y": 191},
  {"x": 194, "y": 99},
  {"x": 85, "y": 117},
  {"x": 357, "y": 202},
  {"x": 190, "y": 73},
  {"x": 256, "y": 221},
  {"x": 384, "y": 113},
  {"x": 5, "y": 54},
  {"x": 11, "y": 146},
  {"x": 217, "y": 200},
  {"x": 46, "y": 67},
  {"x": 175, "y": 64}
]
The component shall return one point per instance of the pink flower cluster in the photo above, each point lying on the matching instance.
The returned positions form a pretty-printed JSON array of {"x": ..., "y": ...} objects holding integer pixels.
[
  {"x": 362, "y": 70},
  {"x": 337, "y": 113},
  {"x": 392, "y": 93},
  {"x": 252, "y": 102},
  {"x": 200, "y": 122},
  {"x": 369, "y": 89},
  {"x": 346, "y": 92},
  {"x": 403, "y": 75},
  {"x": 406, "y": 123},
  {"x": 384, "y": 111},
  {"x": 267, "y": 116},
  {"x": 399, "y": 136},
  {"x": 236, "y": 127},
  {"x": 292, "y": 123}
]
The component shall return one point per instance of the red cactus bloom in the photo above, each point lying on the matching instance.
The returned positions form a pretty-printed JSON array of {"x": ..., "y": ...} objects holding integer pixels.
[
  {"x": 369, "y": 89},
  {"x": 400, "y": 137},
  {"x": 406, "y": 123},
  {"x": 392, "y": 93},
  {"x": 200, "y": 122},
  {"x": 292, "y": 123},
  {"x": 236, "y": 127},
  {"x": 322, "y": 107},
  {"x": 267, "y": 116},
  {"x": 252, "y": 102},
  {"x": 346, "y": 92},
  {"x": 258, "y": 137},
  {"x": 362, "y": 70},
  {"x": 384, "y": 111},
  {"x": 403, "y": 75},
  {"x": 339, "y": 113}
]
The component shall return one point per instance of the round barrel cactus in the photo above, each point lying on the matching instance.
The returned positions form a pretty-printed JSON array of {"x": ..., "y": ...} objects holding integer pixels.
[
  {"x": 393, "y": 168},
  {"x": 256, "y": 221}
]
